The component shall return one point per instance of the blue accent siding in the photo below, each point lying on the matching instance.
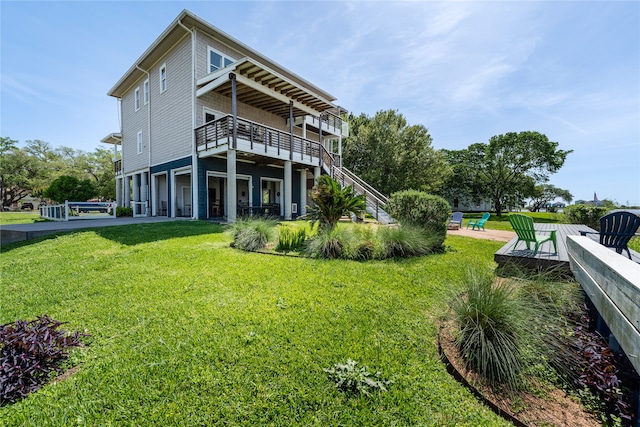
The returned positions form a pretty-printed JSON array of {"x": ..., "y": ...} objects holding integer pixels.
[
  {"x": 168, "y": 167},
  {"x": 214, "y": 164}
]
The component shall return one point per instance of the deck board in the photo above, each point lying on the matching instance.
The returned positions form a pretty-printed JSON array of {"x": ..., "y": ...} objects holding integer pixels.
[{"x": 546, "y": 257}]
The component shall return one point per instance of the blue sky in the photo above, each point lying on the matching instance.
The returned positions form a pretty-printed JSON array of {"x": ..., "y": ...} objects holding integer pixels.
[{"x": 465, "y": 70}]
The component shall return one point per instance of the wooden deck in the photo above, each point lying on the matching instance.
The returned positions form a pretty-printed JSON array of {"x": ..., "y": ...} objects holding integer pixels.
[{"x": 546, "y": 258}]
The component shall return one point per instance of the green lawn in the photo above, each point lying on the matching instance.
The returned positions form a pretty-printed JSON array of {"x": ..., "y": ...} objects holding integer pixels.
[
  {"x": 188, "y": 331},
  {"x": 7, "y": 218}
]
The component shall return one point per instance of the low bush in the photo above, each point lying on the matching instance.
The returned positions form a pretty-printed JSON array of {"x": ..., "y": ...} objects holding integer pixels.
[
  {"x": 585, "y": 214},
  {"x": 123, "y": 211},
  {"x": 30, "y": 352},
  {"x": 420, "y": 209},
  {"x": 252, "y": 234}
]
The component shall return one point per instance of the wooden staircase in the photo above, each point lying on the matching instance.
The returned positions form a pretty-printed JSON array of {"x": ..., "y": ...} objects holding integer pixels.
[{"x": 375, "y": 200}]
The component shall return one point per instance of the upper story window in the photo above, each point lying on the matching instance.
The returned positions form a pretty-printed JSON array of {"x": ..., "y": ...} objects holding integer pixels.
[
  {"x": 139, "y": 142},
  {"x": 136, "y": 97},
  {"x": 163, "y": 78},
  {"x": 217, "y": 60},
  {"x": 146, "y": 91}
]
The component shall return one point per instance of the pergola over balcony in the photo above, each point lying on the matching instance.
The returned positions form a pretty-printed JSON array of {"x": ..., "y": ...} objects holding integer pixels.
[{"x": 259, "y": 86}]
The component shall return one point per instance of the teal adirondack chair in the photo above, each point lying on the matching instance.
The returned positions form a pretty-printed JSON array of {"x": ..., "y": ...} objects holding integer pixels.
[
  {"x": 480, "y": 222},
  {"x": 523, "y": 226}
]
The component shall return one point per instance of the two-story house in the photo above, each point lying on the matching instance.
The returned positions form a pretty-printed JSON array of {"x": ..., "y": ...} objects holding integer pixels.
[{"x": 213, "y": 129}]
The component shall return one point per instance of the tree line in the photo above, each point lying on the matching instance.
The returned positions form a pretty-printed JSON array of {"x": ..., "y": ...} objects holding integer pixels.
[
  {"x": 384, "y": 150},
  {"x": 392, "y": 155},
  {"x": 31, "y": 170}
]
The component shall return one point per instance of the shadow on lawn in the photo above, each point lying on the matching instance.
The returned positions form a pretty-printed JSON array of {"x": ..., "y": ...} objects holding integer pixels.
[{"x": 136, "y": 234}]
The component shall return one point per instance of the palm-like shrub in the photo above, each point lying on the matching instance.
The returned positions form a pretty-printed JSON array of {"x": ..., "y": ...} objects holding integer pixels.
[{"x": 331, "y": 202}]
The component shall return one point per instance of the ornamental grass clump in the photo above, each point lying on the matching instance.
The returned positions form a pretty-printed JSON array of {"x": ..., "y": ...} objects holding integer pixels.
[
  {"x": 252, "y": 234},
  {"x": 30, "y": 353},
  {"x": 406, "y": 241},
  {"x": 491, "y": 324}
]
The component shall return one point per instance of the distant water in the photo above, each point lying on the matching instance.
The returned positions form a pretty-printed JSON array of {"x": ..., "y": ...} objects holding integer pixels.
[{"x": 634, "y": 211}]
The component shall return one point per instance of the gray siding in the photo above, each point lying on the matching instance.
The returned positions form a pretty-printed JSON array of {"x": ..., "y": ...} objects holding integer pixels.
[
  {"x": 171, "y": 124},
  {"x": 132, "y": 123}
]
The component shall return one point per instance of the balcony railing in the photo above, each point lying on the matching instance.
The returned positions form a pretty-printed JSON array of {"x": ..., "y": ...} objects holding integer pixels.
[
  {"x": 261, "y": 138},
  {"x": 117, "y": 166}
]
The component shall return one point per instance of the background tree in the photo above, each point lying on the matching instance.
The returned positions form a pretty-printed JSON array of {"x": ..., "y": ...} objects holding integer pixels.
[
  {"x": 507, "y": 168},
  {"x": 391, "y": 155},
  {"x": 70, "y": 188},
  {"x": 546, "y": 193},
  {"x": 17, "y": 172}
]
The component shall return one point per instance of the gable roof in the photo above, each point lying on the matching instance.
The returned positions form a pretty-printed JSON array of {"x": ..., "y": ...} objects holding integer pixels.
[{"x": 176, "y": 31}]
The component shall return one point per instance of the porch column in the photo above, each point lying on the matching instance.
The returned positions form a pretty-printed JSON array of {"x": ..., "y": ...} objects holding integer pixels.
[
  {"x": 287, "y": 190},
  {"x": 291, "y": 131},
  {"x": 317, "y": 171},
  {"x": 126, "y": 182},
  {"x": 119, "y": 185},
  {"x": 232, "y": 184},
  {"x": 136, "y": 192},
  {"x": 302, "y": 209},
  {"x": 144, "y": 192}
]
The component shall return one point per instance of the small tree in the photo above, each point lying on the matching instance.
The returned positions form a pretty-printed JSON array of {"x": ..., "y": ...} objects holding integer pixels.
[
  {"x": 331, "y": 202},
  {"x": 70, "y": 188}
]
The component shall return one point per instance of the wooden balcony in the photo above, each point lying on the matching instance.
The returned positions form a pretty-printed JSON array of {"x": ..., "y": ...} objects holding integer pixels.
[{"x": 216, "y": 136}]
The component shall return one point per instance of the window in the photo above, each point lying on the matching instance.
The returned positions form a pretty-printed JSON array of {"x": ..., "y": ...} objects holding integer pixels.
[
  {"x": 218, "y": 60},
  {"x": 146, "y": 91},
  {"x": 137, "y": 98},
  {"x": 140, "y": 142},
  {"x": 163, "y": 78}
]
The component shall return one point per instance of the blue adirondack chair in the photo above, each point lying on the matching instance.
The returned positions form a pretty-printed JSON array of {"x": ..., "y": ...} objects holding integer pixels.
[
  {"x": 616, "y": 229},
  {"x": 456, "y": 218},
  {"x": 480, "y": 222}
]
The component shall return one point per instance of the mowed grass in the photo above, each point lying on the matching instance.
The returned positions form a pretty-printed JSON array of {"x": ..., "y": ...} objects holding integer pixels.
[
  {"x": 188, "y": 331},
  {"x": 7, "y": 218}
]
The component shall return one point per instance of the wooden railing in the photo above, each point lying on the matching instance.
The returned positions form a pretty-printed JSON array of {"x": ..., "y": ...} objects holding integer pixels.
[
  {"x": 117, "y": 166},
  {"x": 260, "y": 137}
]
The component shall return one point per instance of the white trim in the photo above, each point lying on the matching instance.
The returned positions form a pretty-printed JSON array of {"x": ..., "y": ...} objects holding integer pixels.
[
  {"x": 163, "y": 82},
  {"x": 174, "y": 188},
  {"x": 280, "y": 186},
  {"x": 139, "y": 142},
  {"x": 155, "y": 198},
  {"x": 223, "y": 175},
  {"x": 145, "y": 90},
  {"x": 136, "y": 99}
]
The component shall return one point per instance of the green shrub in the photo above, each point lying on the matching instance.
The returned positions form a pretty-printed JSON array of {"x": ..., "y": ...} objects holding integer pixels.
[
  {"x": 122, "y": 211},
  {"x": 585, "y": 214},
  {"x": 406, "y": 241},
  {"x": 420, "y": 209},
  {"x": 290, "y": 239},
  {"x": 252, "y": 234}
]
